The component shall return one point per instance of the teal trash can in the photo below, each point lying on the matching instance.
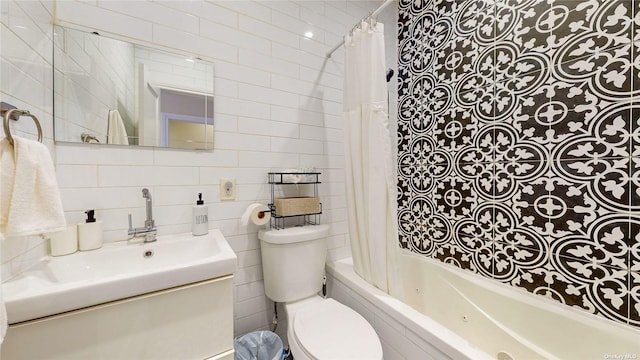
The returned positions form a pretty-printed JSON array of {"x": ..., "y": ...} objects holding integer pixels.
[{"x": 258, "y": 345}]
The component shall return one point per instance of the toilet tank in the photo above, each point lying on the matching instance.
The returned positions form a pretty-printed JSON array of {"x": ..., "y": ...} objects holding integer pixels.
[{"x": 293, "y": 261}]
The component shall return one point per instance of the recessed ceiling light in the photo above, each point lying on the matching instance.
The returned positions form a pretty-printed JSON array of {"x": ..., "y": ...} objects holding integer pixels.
[
  {"x": 308, "y": 34},
  {"x": 189, "y": 60}
]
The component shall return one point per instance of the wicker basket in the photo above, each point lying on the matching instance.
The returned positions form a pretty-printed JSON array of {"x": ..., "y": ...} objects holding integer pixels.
[{"x": 297, "y": 206}]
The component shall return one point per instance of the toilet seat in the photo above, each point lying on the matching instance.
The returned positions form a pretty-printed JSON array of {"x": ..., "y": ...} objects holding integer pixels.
[{"x": 330, "y": 330}]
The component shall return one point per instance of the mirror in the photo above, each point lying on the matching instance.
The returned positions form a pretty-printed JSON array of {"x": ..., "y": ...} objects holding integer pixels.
[{"x": 110, "y": 91}]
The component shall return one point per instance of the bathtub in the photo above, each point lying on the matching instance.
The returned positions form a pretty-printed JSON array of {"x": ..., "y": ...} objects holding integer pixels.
[{"x": 449, "y": 313}]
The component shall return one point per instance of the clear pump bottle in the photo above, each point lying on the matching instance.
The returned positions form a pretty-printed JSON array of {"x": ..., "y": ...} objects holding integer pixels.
[{"x": 200, "y": 221}]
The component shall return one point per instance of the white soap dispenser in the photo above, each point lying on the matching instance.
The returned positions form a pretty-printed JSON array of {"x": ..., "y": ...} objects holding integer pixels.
[
  {"x": 200, "y": 221},
  {"x": 90, "y": 233}
]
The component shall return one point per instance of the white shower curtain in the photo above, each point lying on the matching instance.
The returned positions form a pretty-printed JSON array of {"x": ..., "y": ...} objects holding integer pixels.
[{"x": 370, "y": 183}]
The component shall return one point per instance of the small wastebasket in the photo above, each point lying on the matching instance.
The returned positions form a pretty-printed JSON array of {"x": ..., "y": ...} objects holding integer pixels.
[{"x": 258, "y": 345}]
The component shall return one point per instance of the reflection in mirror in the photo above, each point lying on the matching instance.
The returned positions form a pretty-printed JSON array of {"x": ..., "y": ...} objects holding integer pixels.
[
  {"x": 181, "y": 117},
  {"x": 109, "y": 91}
]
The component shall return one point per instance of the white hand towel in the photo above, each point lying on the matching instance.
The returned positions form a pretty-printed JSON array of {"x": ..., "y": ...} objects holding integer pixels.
[
  {"x": 117, "y": 134},
  {"x": 29, "y": 196}
]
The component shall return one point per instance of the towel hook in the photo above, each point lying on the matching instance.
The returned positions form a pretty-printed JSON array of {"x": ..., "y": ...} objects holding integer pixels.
[{"x": 14, "y": 114}]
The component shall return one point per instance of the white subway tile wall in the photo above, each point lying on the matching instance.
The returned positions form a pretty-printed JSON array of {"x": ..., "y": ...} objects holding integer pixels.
[
  {"x": 26, "y": 81},
  {"x": 278, "y": 105}
]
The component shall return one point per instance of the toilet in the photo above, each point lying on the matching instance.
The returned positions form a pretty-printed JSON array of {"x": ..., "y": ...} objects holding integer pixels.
[{"x": 293, "y": 262}]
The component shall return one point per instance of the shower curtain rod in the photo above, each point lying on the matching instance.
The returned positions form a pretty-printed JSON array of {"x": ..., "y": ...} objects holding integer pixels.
[{"x": 372, "y": 15}]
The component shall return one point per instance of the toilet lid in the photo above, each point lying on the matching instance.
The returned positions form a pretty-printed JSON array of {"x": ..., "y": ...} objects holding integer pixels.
[{"x": 330, "y": 330}]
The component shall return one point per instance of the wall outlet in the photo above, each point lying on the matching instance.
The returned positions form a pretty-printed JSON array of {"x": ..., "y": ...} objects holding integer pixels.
[{"x": 227, "y": 189}]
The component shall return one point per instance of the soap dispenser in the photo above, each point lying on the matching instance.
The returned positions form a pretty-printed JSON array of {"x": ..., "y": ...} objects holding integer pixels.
[
  {"x": 200, "y": 221},
  {"x": 90, "y": 233}
]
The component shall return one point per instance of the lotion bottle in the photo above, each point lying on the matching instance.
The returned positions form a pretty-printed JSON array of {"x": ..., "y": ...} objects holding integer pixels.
[
  {"x": 90, "y": 233},
  {"x": 200, "y": 221}
]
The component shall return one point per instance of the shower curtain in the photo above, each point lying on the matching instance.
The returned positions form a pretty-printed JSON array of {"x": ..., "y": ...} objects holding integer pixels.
[{"x": 370, "y": 183}]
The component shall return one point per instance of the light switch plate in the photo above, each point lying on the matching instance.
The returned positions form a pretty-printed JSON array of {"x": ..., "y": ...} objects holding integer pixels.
[{"x": 227, "y": 189}]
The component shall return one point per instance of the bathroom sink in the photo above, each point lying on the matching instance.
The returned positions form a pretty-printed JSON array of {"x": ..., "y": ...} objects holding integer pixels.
[{"x": 116, "y": 271}]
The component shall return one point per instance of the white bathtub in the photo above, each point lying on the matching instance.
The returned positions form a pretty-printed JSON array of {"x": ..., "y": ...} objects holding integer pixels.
[{"x": 449, "y": 313}]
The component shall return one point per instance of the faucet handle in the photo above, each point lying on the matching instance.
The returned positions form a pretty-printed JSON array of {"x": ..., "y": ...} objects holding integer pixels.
[{"x": 131, "y": 232}]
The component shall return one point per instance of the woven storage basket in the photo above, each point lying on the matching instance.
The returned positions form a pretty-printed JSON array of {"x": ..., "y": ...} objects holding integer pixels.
[{"x": 297, "y": 206}]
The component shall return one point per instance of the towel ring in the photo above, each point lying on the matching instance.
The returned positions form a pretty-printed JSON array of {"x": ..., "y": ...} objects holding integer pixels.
[
  {"x": 87, "y": 138},
  {"x": 14, "y": 114}
]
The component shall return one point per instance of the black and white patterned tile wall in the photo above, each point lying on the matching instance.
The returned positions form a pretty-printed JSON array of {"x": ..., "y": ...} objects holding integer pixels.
[{"x": 519, "y": 144}]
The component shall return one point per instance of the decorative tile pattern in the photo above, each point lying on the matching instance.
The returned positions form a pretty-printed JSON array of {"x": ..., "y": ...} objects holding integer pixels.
[{"x": 519, "y": 154}]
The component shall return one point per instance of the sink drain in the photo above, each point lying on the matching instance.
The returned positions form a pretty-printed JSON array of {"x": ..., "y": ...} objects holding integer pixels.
[{"x": 148, "y": 253}]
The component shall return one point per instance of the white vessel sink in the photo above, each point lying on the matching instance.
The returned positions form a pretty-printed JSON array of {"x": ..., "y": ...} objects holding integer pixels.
[{"x": 115, "y": 271}]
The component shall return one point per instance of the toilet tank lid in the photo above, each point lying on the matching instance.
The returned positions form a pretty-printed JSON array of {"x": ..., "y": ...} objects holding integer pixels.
[{"x": 294, "y": 234}]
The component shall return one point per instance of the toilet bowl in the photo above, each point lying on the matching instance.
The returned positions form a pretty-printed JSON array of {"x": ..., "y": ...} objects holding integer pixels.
[
  {"x": 293, "y": 263},
  {"x": 324, "y": 329}
]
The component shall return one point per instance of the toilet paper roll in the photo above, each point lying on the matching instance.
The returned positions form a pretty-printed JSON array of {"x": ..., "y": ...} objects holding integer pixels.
[{"x": 258, "y": 214}]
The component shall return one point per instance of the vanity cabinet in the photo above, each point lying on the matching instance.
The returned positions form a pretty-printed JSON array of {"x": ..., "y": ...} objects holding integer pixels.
[{"x": 193, "y": 321}]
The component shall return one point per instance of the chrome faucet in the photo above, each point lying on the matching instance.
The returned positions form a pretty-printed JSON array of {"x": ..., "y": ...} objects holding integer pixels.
[{"x": 149, "y": 231}]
